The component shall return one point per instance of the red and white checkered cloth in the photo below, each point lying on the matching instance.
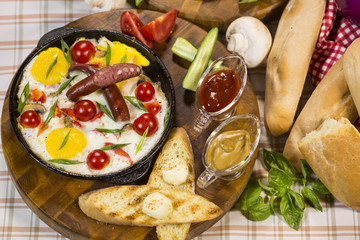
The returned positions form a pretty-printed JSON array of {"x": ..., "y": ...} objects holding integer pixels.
[{"x": 336, "y": 34}]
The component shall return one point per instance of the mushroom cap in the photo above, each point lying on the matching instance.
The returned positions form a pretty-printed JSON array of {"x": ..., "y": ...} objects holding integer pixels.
[{"x": 250, "y": 38}]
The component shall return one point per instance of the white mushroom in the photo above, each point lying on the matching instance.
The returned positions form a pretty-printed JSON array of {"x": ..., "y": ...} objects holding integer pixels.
[
  {"x": 250, "y": 38},
  {"x": 105, "y": 5}
]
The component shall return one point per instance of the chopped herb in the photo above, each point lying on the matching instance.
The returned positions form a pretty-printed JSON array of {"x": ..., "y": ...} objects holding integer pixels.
[
  {"x": 65, "y": 48},
  {"x": 64, "y": 161},
  {"x": 23, "y": 97},
  {"x": 246, "y": 1},
  {"x": 142, "y": 140},
  {"x": 50, "y": 115},
  {"x": 105, "y": 110},
  {"x": 65, "y": 140},
  {"x": 114, "y": 146},
  {"x": 123, "y": 59},
  {"x": 64, "y": 85},
  {"x": 166, "y": 117},
  {"x": 136, "y": 102},
  {"x": 108, "y": 54},
  {"x": 105, "y": 130},
  {"x": 137, "y": 2},
  {"x": 51, "y": 67}
]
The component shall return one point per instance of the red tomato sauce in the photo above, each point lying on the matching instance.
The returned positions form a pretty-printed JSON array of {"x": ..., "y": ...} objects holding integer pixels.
[{"x": 218, "y": 90}]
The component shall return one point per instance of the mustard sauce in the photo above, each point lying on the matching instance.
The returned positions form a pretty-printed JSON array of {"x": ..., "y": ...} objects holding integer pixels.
[{"x": 228, "y": 149}]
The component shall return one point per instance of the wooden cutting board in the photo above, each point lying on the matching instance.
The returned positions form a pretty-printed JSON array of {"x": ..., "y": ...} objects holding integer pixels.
[
  {"x": 53, "y": 197},
  {"x": 215, "y": 13}
]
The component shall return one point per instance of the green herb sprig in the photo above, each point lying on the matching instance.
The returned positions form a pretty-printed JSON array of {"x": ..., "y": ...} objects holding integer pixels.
[
  {"x": 65, "y": 140},
  {"x": 136, "y": 102},
  {"x": 51, "y": 67},
  {"x": 281, "y": 178},
  {"x": 105, "y": 110},
  {"x": 108, "y": 54},
  {"x": 106, "y": 130},
  {"x": 50, "y": 115},
  {"x": 66, "y": 51},
  {"x": 65, "y": 161},
  {"x": 123, "y": 59},
  {"x": 64, "y": 85},
  {"x": 23, "y": 97},
  {"x": 142, "y": 140},
  {"x": 114, "y": 146}
]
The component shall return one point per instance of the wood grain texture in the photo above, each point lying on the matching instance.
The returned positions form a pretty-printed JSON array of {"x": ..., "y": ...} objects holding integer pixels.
[
  {"x": 214, "y": 13},
  {"x": 53, "y": 197}
]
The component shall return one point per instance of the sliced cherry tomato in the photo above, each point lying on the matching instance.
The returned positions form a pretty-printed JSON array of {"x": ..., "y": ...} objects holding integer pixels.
[
  {"x": 57, "y": 112},
  {"x": 130, "y": 25},
  {"x": 97, "y": 160},
  {"x": 69, "y": 112},
  {"x": 121, "y": 152},
  {"x": 84, "y": 110},
  {"x": 160, "y": 29},
  {"x": 82, "y": 51},
  {"x": 30, "y": 119},
  {"x": 145, "y": 92},
  {"x": 152, "y": 107},
  {"x": 97, "y": 116},
  {"x": 42, "y": 129},
  {"x": 143, "y": 122}
]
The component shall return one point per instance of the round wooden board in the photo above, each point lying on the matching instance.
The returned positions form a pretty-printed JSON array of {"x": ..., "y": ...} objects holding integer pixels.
[{"x": 53, "y": 197}]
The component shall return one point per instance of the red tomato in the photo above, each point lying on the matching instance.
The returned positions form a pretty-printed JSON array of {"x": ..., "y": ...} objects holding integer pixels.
[
  {"x": 97, "y": 160},
  {"x": 121, "y": 152},
  {"x": 145, "y": 92},
  {"x": 143, "y": 122},
  {"x": 82, "y": 51},
  {"x": 160, "y": 29},
  {"x": 130, "y": 25},
  {"x": 152, "y": 107},
  {"x": 30, "y": 119},
  {"x": 84, "y": 110}
]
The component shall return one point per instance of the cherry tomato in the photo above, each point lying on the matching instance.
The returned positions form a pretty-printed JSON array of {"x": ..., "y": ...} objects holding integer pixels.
[
  {"x": 97, "y": 160},
  {"x": 82, "y": 51},
  {"x": 130, "y": 25},
  {"x": 30, "y": 119},
  {"x": 84, "y": 110},
  {"x": 152, "y": 107},
  {"x": 145, "y": 92},
  {"x": 143, "y": 122},
  {"x": 160, "y": 29}
]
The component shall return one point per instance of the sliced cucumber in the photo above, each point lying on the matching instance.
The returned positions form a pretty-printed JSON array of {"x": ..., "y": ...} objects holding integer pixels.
[
  {"x": 184, "y": 49},
  {"x": 201, "y": 60}
]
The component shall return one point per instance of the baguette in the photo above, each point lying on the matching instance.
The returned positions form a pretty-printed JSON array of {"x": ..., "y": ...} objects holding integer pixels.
[
  {"x": 352, "y": 71},
  {"x": 124, "y": 205},
  {"x": 178, "y": 146},
  {"x": 288, "y": 62},
  {"x": 330, "y": 99},
  {"x": 333, "y": 152}
]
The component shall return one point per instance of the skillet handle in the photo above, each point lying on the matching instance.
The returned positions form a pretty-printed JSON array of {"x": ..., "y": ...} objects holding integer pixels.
[{"x": 55, "y": 33}]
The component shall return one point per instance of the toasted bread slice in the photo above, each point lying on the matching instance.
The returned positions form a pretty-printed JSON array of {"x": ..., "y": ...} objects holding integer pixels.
[
  {"x": 124, "y": 204},
  {"x": 178, "y": 146}
]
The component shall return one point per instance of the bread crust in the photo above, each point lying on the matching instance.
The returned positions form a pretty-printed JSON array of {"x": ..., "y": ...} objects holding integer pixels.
[
  {"x": 330, "y": 99},
  {"x": 333, "y": 152},
  {"x": 288, "y": 61}
]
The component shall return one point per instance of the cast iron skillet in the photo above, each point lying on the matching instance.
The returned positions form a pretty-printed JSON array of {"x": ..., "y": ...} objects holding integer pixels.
[{"x": 156, "y": 71}]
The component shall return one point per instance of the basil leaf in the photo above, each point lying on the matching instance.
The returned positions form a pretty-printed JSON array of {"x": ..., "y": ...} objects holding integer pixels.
[
  {"x": 51, "y": 67},
  {"x": 291, "y": 214},
  {"x": 250, "y": 195},
  {"x": 260, "y": 211},
  {"x": 105, "y": 110},
  {"x": 65, "y": 140},
  {"x": 23, "y": 97},
  {"x": 306, "y": 170},
  {"x": 319, "y": 187},
  {"x": 266, "y": 188},
  {"x": 136, "y": 102},
  {"x": 311, "y": 198},
  {"x": 64, "y": 85},
  {"x": 274, "y": 159},
  {"x": 114, "y": 146},
  {"x": 142, "y": 140},
  {"x": 50, "y": 115},
  {"x": 108, "y": 54},
  {"x": 105, "y": 130},
  {"x": 64, "y": 161},
  {"x": 278, "y": 179},
  {"x": 123, "y": 59},
  {"x": 65, "y": 49},
  {"x": 297, "y": 199}
]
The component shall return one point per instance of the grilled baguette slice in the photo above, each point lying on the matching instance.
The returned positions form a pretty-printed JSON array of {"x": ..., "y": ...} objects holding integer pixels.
[
  {"x": 123, "y": 205},
  {"x": 178, "y": 146}
]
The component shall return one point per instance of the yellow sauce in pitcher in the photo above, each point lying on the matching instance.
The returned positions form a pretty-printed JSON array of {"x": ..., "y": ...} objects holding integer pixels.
[{"x": 228, "y": 149}]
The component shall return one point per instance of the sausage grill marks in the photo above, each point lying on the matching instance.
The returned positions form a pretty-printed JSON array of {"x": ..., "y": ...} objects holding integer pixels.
[{"x": 105, "y": 79}]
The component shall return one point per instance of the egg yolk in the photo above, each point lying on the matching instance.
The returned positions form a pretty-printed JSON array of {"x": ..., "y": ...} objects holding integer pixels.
[
  {"x": 50, "y": 66},
  {"x": 118, "y": 53},
  {"x": 75, "y": 143}
]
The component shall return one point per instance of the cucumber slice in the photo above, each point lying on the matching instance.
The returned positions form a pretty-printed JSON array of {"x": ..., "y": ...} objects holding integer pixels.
[
  {"x": 201, "y": 60},
  {"x": 184, "y": 49}
]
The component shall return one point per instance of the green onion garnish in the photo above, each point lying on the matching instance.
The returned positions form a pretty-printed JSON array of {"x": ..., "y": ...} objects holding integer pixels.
[
  {"x": 64, "y": 161},
  {"x": 105, "y": 130},
  {"x": 51, "y": 66},
  {"x": 105, "y": 110},
  {"x": 114, "y": 146},
  {"x": 108, "y": 54},
  {"x": 64, "y": 85},
  {"x": 65, "y": 48},
  {"x": 136, "y": 102},
  {"x": 65, "y": 140},
  {"x": 23, "y": 97},
  {"x": 50, "y": 115},
  {"x": 123, "y": 59},
  {"x": 142, "y": 140}
]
